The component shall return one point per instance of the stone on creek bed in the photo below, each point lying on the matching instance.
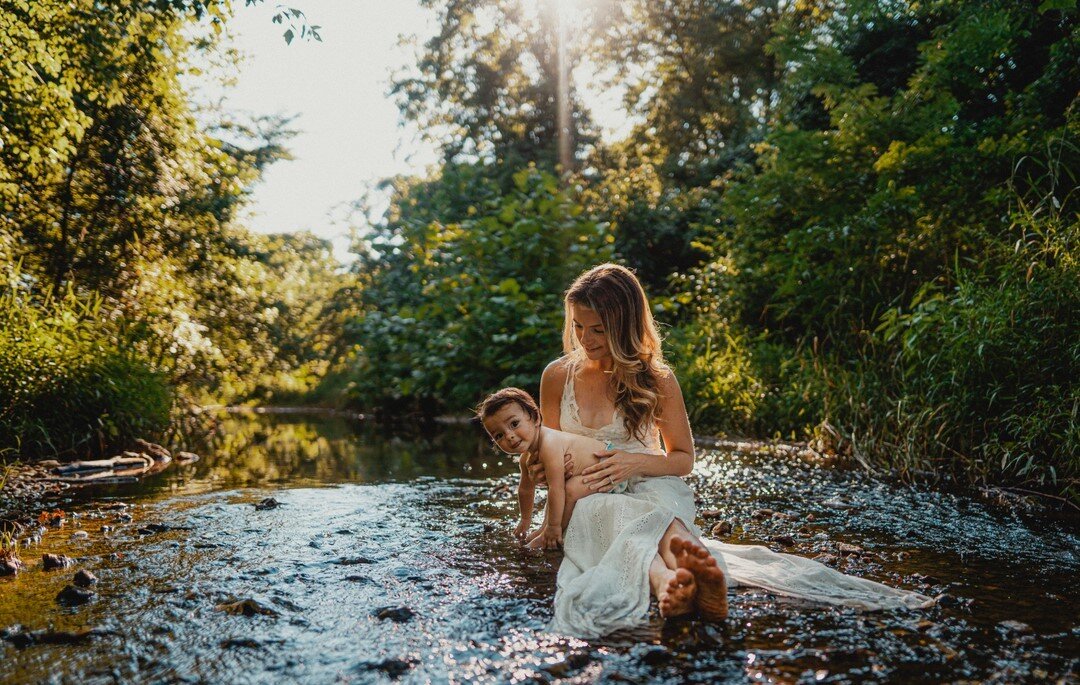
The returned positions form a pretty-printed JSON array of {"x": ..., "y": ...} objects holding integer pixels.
[
  {"x": 394, "y": 668},
  {"x": 267, "y": 503},
  {"x": 50, "y": 562},
  {"x": 395, "y": 614},
  {"x": 246, "y": 607},
  {"x": 74, "y": 596},
  {"x": 85, "y": 578}
]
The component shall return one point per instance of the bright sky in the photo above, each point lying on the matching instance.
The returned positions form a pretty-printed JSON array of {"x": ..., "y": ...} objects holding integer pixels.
[{"x": 350, "y": 136}]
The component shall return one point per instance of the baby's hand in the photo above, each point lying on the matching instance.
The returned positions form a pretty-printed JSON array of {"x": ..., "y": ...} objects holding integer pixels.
[
  {"x": 552, "y": 537},
  {"x": 522, "y": 531}
]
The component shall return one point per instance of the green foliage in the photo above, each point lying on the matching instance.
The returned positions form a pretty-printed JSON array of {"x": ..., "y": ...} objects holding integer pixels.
[
  {"x": 453, "y": 310},
  {"x": 986, "y": 376},
  {"x": 115, "y": 191},
  {"x": 68, "y": 384}
]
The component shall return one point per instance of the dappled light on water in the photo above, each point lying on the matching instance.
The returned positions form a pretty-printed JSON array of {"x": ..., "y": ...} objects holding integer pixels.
[{"x": 388, "y": 556}]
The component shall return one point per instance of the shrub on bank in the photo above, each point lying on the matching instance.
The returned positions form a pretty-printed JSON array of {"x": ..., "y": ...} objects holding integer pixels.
[{"x": 68, "y": 385}]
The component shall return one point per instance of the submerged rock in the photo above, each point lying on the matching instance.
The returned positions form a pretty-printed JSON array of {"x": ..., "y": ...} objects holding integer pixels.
[
  {"x": 849, "y": 550},
  {"x": 85, "y": 578},
  {"x": 395, "y": 614},
  {"x": 25, "y": 638},
  {"x": 50, "y": 562},
  {"x": 395, "y": 668},
  {"x": 354, "y": 561},
  {"x": 722, "y": 528},
  {"x": 10, "y": 565},
  {"x": 186, "y": 457},
  {"x": 74, "y": 596},
  {"x": 785, "y": 540},
  {"x": 246, "y": 607}
]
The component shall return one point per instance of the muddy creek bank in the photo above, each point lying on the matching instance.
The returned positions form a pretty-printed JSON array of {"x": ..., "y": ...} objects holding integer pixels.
[{"x": 387, "y": 557}]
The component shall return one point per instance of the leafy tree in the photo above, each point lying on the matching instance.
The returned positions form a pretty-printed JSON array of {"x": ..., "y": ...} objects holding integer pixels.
[{"x": 455, "y": 309}]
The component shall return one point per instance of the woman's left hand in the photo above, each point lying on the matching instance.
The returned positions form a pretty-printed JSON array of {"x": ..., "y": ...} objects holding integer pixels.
[{"x": 615, "y": 466}]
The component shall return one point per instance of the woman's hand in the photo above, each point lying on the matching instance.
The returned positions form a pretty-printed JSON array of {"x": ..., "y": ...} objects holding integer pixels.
[
  {"x": 615, "y": 466},
  {"x": 536, "y": 468},
  {"x": 553, "y": 536}
]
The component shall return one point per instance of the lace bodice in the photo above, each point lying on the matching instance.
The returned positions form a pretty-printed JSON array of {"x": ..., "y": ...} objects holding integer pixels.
[{"x": 614, "y": 432}]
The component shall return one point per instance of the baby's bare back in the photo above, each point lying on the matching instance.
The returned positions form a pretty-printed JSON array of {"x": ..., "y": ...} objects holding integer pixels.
[{"x": 581, "y": 448}]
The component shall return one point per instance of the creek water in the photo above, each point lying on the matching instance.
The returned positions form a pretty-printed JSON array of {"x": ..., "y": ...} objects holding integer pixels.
[{"x": 389, "y": 558}]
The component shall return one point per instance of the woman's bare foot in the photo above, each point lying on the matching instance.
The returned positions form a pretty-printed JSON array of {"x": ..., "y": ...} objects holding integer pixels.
[
  {"x": 711, "y": 600},
  {"x": 676, "y": 593}
]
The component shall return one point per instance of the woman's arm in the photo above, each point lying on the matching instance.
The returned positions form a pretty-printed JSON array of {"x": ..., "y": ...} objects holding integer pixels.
[
  {"x": 674, "y": 424},
  {"x": 551, "y": 386}
]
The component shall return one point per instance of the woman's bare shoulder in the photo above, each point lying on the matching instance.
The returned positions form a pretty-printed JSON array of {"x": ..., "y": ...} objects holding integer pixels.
[
  {"x": 560, "y": 365},
  {"x": 556, "y": 371}
]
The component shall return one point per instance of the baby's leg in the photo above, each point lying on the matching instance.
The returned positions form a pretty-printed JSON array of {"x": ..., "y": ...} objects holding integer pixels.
[{"x": 575, "y": 490}]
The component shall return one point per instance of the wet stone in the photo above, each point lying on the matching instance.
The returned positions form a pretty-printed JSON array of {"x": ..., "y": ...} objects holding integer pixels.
[
  {"x": 85, "y": 578},
  {"x": 267, "y": 503},
  {"x": 722, "y": 528},
  {"x": 55, "y": 561},
  {"x": 10, "y": 566},
  {"x": 74, "y": 596},
  {"x": 1015, "y": 626},
  {"x": 395, "y": 668},
  {"x": 359, "y": 579},
  {"x": 395, "y": 614},
  {"x": 572, "y": 662},
  {"x": 712, "y": 514},
  {"x": 656, "y": 655},
  {"x": 763, "y": 513},
  {"x": 846, "y": 549},
  {"x": 246, "y": 607},
  {"x": 354, "y": 561},
  {"x": 785, "y": 540}
]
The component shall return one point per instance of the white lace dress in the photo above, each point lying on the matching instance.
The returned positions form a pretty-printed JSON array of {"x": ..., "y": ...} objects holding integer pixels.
[{"x": 603, "y": 582}]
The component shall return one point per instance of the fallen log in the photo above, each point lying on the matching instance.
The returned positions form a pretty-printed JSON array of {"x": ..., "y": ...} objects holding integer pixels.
[{"x": 128, "y": 460}]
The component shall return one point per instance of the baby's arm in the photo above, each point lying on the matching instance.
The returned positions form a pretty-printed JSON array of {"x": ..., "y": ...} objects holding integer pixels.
[
  {"x": 526, "y": 497},
  {"x": 552, "y": 456}
]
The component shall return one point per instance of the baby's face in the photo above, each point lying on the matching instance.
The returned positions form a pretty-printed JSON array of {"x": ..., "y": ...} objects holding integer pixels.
[{"x": 512, "y": 429}]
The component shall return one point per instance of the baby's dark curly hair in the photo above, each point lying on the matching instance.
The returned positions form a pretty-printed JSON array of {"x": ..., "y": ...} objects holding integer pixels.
[{"x": 497, "y": 400}]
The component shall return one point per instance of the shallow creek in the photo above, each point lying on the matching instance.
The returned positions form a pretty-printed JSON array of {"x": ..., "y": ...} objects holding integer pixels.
[{"x": 389, "y": 558}]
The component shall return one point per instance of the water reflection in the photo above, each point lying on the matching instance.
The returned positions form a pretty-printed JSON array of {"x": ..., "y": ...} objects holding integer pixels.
[{"x": 373, "y": 520}]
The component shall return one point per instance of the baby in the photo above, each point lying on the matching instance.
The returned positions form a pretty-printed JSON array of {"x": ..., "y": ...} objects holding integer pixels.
[{"x": 512, "y": 419}]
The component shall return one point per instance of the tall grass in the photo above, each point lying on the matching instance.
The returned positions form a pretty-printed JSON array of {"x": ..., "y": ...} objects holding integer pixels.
[{"x": 70, "y": 384}]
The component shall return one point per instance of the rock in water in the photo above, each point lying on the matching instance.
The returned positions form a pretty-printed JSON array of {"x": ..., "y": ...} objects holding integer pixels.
[
  {"x": 85, "y": 579},
  {"x": 268, "y": 503},
  {"x": 54, "y": 561},
  {"x": 246, "y": 607},
  {"x": 394, "y": 668},
  {"x": 395, "y": 614},
  {"x": 721, "y": 529},
  {"x": 10, "y": 566},
  {"x": 74, "y": 596}
]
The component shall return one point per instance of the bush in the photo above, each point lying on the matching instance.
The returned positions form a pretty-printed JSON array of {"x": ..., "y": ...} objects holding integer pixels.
[
  {"x": 68, "y": 385},
  {"x": 985, "y": 378}
]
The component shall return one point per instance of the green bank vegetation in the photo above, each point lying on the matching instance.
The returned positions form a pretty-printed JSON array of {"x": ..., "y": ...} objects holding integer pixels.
[{"x": 857, "y": 221}]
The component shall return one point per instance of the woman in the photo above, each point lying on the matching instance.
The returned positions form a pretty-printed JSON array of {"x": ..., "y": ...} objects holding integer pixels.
[{"x": 612, "y": 385}]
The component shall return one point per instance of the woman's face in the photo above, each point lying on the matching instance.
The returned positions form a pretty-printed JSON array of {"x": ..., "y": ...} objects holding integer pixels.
[{"x": 590, "y": 332}]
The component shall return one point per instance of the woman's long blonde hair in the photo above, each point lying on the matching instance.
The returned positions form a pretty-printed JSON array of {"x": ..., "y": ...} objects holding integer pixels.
[{"x": 616, "y": 295}]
